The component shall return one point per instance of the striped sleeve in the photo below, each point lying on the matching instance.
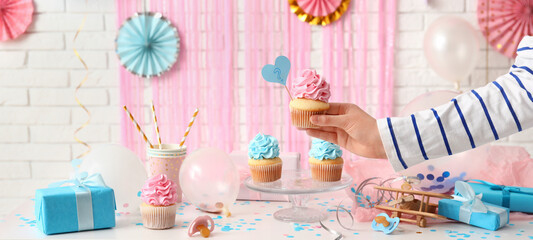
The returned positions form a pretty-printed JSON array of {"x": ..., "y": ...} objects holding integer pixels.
[{"x": 476, "y": 117}]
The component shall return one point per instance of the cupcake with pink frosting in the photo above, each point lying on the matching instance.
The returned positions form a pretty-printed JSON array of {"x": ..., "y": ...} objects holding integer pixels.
[
  {"x": 310, "y": 94},
  {"x": 159, "y": 196}
]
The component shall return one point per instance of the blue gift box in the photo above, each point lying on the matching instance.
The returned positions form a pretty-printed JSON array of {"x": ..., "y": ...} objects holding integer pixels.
[
  {"x": 468, "y": 207},
  {"x": 515, "y": 198},
  {"x": 490, "y": 220},
  {"x": 74, "y": 208}
]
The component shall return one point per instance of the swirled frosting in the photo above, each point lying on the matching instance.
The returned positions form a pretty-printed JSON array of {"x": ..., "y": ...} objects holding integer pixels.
[
  {"x": 159, "y": 191},
  {"x": 263, "y": 147},
  {"x": 321, "y": 150},
  {"x": 310, "y": 85}
]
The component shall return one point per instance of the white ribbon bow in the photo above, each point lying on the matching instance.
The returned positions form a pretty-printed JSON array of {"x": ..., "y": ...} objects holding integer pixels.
[{"x": 471, "y": 202}]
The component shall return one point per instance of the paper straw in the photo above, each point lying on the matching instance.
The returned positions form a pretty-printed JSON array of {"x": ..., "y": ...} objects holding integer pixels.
[
  {"x": 138, "y": 127},
  {"x": 189, "y": 127},
  {"x": 156, "y": 126}
]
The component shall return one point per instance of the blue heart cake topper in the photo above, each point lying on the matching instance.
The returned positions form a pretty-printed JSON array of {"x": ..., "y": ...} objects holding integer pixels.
[{"x": 278, "y": 72}]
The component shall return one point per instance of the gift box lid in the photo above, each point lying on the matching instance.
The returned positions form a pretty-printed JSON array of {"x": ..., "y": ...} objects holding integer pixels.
[{"x": 56, "y": 209}]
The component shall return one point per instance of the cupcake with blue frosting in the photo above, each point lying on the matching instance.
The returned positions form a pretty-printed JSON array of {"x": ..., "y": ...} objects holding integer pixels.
[
  {"x": 325, "y": 160},
  {"x": 265, "y": 164}
]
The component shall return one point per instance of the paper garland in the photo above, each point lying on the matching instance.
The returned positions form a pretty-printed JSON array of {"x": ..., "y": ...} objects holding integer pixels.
[
  {"x": 147, "y": 44},
  {"x": 319, "y": 12},
  {"x": 15, "y": 17},
  {"x": 504, "y": 23}
]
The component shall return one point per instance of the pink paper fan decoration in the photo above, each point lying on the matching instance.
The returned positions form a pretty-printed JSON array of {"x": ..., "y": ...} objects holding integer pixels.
[
  {"x": 319, "y": 8},
  {"x": 505, "y": 22},
  {"x": 15, "y": 17}
]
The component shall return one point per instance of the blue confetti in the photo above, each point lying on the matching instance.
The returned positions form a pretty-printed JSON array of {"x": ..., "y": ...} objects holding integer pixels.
[
  {"x": 511, "y": 224},
  {"x": 318, "y": 234},
  {"x": 355, "y": 233},
  {"x": 250, "y": 229},
  {"x": 298, "y": 229},
  {"x": 226, "y": 229},
  {"x": 18, "y": 214},
  {"x": 290, "y": 236},
  {"x": 252, "y": 223},
  {"x": 258, "y": 219},
  {"x": 138, "y": 193},
  {"x": 139, "y": 224},
  {"x": 218, "y": 217},
  {"x": 432, "y": 230}
]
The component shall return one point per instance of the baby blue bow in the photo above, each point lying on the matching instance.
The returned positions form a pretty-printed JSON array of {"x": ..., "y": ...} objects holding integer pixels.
[{"x": 83, "y": 180}]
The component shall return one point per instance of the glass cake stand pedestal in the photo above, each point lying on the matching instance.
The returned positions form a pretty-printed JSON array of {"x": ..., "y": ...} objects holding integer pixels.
[{"x": 298, "y": 184}]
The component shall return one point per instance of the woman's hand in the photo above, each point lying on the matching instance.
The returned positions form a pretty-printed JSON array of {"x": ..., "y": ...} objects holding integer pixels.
[{"x": 350, "y": 127}]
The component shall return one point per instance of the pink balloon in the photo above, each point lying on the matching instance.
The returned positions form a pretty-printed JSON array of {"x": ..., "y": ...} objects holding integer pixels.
[
  {"x": 440, "y": 174},
  {"x": 427, "y": 101}
]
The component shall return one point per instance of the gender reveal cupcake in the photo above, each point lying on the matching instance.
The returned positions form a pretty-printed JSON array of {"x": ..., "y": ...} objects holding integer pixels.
[
  {"x": 159, "y": 195},
  {"x": 310, "y": 94},
  {"x": 265, "y": 164},
  {"x": 326, "y": 161}
]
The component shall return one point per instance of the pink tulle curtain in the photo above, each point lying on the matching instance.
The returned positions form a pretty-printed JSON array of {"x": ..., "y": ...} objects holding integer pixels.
[
  {"x": 235, "y": 104},
  {"x": 202, "y": 78},
  {"x": 272, "y": 30},
  {"x": 345, "y": 57}
]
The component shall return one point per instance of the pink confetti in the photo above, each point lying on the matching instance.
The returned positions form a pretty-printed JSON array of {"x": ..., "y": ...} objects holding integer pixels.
[{"x": 126, "y": 205}]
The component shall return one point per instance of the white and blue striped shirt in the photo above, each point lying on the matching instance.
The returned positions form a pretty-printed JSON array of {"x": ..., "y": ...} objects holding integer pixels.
[{"x": 476, "y": 117}]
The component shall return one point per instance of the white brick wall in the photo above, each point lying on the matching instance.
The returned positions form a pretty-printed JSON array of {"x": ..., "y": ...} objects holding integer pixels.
[{"x": 38, "y": 74}]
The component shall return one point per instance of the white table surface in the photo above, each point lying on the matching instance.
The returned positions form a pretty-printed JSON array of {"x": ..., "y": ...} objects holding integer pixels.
[{"x": 253, "y": 220}]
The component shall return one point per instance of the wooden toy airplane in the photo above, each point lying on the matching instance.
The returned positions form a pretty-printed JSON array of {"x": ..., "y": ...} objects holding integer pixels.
[{"x": 406, "y": 202}]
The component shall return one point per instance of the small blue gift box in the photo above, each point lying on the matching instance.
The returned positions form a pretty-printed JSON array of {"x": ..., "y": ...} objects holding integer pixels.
[
  {"x": 86, "y": 205},
  {"x": 515, "y": 198},
  {"x": 469, "y": 208}
]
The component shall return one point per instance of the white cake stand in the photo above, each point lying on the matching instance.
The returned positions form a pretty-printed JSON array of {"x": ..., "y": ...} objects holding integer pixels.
[{"x": 298, "y": 184}]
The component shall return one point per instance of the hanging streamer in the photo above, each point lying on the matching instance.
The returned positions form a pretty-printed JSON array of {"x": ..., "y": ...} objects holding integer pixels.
[{"x": 86, "y": 123}]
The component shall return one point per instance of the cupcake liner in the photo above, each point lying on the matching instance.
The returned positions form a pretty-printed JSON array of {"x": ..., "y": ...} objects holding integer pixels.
[
  {"x": 302, "y": 118},
  {"x": 266, "y": 173},
  {"x": 158, "y": 217},
  {"x": 326, "y": 172}
]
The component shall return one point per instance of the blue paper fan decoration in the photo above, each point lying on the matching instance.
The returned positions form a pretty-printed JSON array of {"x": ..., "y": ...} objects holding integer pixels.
[{"x": 147, "y": 44}]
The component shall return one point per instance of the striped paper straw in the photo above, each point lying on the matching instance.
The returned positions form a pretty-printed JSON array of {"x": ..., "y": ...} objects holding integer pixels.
[
  {"x": 156, "y": 126},
  {"x": 138, "y": 127},
  {"x": 189, "y": 127}
]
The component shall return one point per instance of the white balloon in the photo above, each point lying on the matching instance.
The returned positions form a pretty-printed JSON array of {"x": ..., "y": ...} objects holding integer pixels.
[
  {"x": 451, "y": 46},
  {"x": 122, "y": 170},
  {"x": 208, "y": 177}
]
